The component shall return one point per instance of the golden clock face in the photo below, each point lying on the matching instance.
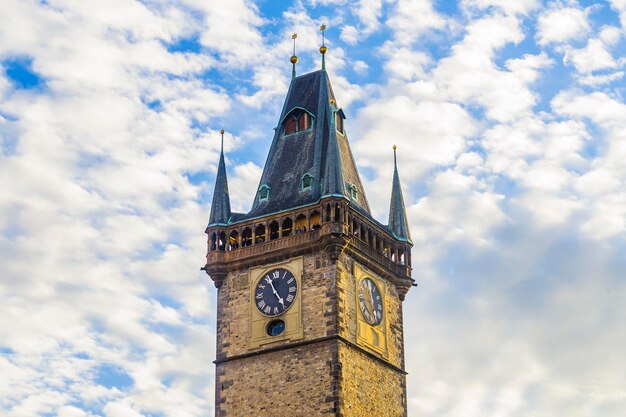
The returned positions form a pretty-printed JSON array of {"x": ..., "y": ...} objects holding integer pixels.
[{"x": 370, "y": 301}]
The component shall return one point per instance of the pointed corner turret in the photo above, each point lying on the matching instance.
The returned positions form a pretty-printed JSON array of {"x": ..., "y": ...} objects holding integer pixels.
[
  {"x": 398, "y": 222},
  {"x": 220, "y": 207}
]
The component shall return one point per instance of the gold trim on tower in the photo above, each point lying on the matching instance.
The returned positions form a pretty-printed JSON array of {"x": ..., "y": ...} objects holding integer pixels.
[
  {"x": 292, "y": 317},
  {"x": 373, "y": 337}
]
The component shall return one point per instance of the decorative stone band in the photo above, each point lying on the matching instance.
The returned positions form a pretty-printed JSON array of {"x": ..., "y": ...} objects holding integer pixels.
[{"x": 310, "y": 342}]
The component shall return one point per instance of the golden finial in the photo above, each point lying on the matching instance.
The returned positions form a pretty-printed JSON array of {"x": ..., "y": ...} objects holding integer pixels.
[
  {"x": 294, "y": 58},
  {"x": 222, "y": 133},
  {"x": 323, "y": 48},
  {"x": 395, "y": 161}
]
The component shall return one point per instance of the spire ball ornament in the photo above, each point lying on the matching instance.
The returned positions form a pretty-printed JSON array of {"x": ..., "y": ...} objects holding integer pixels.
[
  {"x": 294, "y": 58},
  {"x": 222, "y": 131},
  {"x": 323, "y": 48}
]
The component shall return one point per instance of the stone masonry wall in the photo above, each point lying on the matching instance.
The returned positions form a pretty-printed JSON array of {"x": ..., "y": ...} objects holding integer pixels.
[
  {"x": 290, "y": 382},
  {"x": 327, "y": 377},
  {"x": 318, "y": 306},
  {"x": 296, "y": 382},
  {"x": 368, "y": 388},
  {"x": 348, "y": 310}
]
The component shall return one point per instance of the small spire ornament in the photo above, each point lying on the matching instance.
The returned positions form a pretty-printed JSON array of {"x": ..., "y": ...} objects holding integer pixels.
[
  {"x": 294, "y": 58},
  {"x": 323, "y": 48}
]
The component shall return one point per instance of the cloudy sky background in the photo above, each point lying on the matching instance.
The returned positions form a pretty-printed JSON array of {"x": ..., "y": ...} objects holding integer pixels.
[{"x": 511, "y": 126}]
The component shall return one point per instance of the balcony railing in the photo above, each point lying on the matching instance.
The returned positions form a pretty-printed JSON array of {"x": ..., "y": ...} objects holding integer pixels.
[{"x": 264, "y": 247}]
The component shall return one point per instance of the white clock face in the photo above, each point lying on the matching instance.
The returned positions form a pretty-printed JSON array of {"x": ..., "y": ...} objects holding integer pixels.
[{"x": 370, "y": 301}]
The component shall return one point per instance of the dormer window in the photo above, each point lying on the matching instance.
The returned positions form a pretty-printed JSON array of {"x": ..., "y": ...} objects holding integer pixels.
[
  {"x": 354, "y": 190},
  {"x": 339, "y": 121},
  {"x": 296, "y": 121},
  {"x": 264, "y": 193},
  {"x": 307, "y": 181}
]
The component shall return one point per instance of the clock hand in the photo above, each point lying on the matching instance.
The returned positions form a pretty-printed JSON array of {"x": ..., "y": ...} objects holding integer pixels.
[
  {"x": 280, "y": 300},
  {"x": 373, "y": 305}
]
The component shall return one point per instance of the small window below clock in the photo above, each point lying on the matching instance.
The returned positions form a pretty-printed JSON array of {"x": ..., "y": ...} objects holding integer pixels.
[{"x": 275, "y": 327}]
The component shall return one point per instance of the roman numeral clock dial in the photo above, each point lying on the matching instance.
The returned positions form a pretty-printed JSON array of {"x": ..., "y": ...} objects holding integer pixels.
[
  {"x": 370, "y": 302},
  {"x": 275, "y": 292}
]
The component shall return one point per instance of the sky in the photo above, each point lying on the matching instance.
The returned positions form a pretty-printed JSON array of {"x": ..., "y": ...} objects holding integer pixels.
[{"x": 510, "y": 122}]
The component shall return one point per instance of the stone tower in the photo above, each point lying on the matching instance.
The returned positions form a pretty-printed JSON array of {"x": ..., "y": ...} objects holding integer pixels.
[{"x": 310, "y": 285}]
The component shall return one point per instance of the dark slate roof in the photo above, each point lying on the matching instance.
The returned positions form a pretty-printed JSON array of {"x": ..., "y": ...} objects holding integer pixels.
[
  {"x": 220, "y": 207},
  {"x": 319, "y": 151},
  {"x": 398, "y": 223}
]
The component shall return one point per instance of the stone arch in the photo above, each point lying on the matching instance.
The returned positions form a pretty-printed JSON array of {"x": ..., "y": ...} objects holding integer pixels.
[
  {"x": 273, "y": 230},
  {"x": 315, "y": 219},
  {"x": 401, "y": 256},
  {"x": 301, "y": 225},
  {"x": 246, "y": 237},
  {"x": 259, "y": 233},
  {"x": 213, "y": 241},
  {"x": 221, "y": 241},
  {"x": 233, "y": 240},
  {"x": 287, "y": 226}
]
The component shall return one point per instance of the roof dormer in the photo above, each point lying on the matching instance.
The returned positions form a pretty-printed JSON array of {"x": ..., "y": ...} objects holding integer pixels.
[{"x": 297, "y": 120}]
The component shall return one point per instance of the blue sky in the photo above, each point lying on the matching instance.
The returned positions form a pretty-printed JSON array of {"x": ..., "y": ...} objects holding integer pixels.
[{"x": 510, "y": 122}]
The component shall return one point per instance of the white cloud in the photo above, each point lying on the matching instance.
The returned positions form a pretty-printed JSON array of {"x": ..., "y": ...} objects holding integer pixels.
[
  {"x": 412, "y": 18},
  {"x": 509, "y": 7},
  {"x": 591, "y": 58},
  {"x": 243, "y": 184},
  {"x": 350, "y": 35},
  {"x": 620, "y": 7},
  {"x": 596, "y": 80},
  {"x": 470, "y": 74},
  {"x": 562, "y": 24},
  {"x": 404, "y": 63},
  {"x": 434, "y": 131},
  {"x": 368, "y": 12},
  {"x": 360, "y": 67},
  {"x": 596, "y": 55}
]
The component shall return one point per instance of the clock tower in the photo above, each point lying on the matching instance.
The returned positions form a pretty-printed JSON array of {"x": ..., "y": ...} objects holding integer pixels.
[{"x": 310, "y": 285}]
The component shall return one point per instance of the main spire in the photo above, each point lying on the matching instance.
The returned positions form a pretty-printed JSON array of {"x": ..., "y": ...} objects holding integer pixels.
[
  {"x": 398, "y": 222},
  {"x": 220, "y": 207}
]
